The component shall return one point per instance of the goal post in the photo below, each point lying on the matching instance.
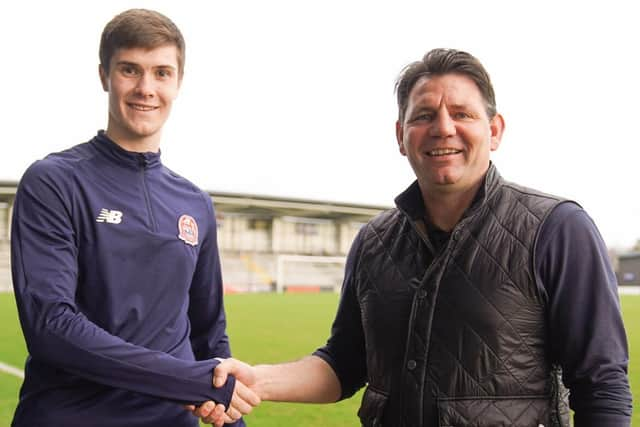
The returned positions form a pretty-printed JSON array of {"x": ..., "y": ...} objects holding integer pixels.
[{"x": 309, "y": 273}]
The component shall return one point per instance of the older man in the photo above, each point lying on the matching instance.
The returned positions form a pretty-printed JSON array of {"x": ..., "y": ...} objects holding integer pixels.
[{"x": 475, "y": 301}]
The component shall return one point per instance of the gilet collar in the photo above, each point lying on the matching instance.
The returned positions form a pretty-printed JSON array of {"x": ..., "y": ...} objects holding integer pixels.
[{"x": 411, "y": 202}]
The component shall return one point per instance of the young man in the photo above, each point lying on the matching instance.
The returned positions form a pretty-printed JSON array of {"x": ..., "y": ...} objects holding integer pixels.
[
  {"x": 115, "y": 261},
  {"x": 474, "y": 301}
]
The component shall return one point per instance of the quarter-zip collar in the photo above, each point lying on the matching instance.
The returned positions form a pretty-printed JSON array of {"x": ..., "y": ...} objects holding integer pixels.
[{"x": 119, "y": 155}]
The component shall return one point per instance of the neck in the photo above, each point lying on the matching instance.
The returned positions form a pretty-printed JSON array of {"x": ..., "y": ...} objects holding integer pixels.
[
  {"x": 444, "y": 209},
  {"x": 135, "y": 144}
]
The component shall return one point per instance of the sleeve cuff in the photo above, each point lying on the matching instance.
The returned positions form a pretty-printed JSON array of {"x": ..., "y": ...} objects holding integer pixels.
[
  {"x": 322, "y": 354},
  {"x": 223, "y": 394}
]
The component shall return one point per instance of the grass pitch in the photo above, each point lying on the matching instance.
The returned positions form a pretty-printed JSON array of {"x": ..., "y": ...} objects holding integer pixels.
[{"x": 266, "y": 328}]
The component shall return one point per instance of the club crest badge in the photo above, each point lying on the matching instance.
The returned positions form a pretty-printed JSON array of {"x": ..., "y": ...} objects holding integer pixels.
[{"x": 188, "y": 230}]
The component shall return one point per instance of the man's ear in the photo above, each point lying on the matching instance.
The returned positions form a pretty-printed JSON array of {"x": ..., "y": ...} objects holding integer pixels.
[
  {"x": 497, "y": 129},
  {"x": 400, "y": 137},
  {"x": 104, "y": 78}
]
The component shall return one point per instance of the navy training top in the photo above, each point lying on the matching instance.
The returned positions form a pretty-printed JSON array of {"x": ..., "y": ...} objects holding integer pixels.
[{"x": 117, "y": 281}]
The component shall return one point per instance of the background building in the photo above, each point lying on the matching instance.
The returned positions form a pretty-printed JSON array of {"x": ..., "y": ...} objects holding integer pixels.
[
  {"x": 7, "y": 193},
  {"x": 628, "y": 271},
  {"x": 266, "y": 243}
]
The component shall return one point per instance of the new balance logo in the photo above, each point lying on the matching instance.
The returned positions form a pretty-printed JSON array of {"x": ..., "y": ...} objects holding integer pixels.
[{"x": 112, "y": 217}]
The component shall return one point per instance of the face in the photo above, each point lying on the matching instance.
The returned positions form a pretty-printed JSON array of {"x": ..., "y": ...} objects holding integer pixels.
[
  {"x": 142, "y": 85},
  {"x": 446, "y": 133}
]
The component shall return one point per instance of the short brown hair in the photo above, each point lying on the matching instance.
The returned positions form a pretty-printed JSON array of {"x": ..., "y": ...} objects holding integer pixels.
[
  {"x": 445, "y": 61},
  {"x": 141, "y": 28}
]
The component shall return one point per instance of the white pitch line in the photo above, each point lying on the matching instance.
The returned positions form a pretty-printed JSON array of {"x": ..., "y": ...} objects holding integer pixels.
[{"x": 11, "y": 370}]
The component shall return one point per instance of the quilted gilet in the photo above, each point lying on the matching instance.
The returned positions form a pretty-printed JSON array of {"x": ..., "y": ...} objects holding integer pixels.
[{"x": 457, "y": 337}]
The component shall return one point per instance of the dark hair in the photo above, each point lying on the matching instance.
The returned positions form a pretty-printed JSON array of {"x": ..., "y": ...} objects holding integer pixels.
[
  {"x": 444, "y": 61},
  {"x": 142, "y": 28}
]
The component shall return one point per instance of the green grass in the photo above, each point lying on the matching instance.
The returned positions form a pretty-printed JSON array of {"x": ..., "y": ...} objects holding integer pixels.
[
  {"x": 274, "y": 328},
  {"x": 265, "y": 328},
  {"x": 631, "y": 313},
  {"x": 12, "y": 352}
]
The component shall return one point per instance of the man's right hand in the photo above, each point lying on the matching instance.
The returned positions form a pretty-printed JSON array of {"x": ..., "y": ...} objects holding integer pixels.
[
  {"x": 242, "y": 371},
  {"x": 244, "y": 399}
]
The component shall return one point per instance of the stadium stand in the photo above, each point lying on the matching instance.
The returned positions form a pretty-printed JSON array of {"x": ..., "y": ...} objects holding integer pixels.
[{"x": 254, "y": 232}]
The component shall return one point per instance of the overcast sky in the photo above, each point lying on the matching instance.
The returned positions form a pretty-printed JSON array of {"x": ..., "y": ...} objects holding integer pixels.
[{"x": 296, "y": 98}]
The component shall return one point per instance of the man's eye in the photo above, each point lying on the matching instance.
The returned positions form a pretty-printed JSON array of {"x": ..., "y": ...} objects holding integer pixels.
[
  {"x": 423, "y": 117},
  {"x": 164, "y": 73},
  {"x": 128, "y": 71},
  {"x": 461, "y": 115}
]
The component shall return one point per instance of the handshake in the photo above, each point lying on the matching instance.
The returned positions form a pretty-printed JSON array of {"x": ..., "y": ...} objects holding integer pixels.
[
  {"x": 309, "y": 380},
  {"x": 245, "y": 395}
]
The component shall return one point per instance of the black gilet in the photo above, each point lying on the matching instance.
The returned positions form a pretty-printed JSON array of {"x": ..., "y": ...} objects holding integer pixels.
[{"x": 457, "y": 336}]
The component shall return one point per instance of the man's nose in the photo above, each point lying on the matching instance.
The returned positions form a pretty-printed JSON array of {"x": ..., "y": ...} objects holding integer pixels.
[
  {"x": 443, "y": 125},
  {"x": 145, "y": 85}
]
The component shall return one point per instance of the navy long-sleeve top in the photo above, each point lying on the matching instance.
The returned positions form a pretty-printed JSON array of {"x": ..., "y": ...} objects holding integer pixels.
[
  {"x": 587, "y": 334},
  {"x": 118, "y": 286}
]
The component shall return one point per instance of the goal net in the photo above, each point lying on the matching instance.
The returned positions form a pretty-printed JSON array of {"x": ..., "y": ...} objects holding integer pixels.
[{"x": 300, "y": 273}]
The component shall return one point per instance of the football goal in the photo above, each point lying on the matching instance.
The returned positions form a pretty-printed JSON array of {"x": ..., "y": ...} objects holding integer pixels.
[{"x": 302, "y": 273}]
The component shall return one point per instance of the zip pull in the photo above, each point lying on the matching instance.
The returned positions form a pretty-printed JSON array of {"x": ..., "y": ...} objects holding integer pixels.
[{"x": 143, "y": 161}]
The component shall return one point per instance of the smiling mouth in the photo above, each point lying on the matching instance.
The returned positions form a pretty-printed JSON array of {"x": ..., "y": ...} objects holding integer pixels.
[
  {"x": 442, "y": 152},
  {"x": 139, "y": 107}
]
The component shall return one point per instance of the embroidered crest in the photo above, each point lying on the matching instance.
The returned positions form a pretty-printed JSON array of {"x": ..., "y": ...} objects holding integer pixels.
[{"x": 188, "y": 230}]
